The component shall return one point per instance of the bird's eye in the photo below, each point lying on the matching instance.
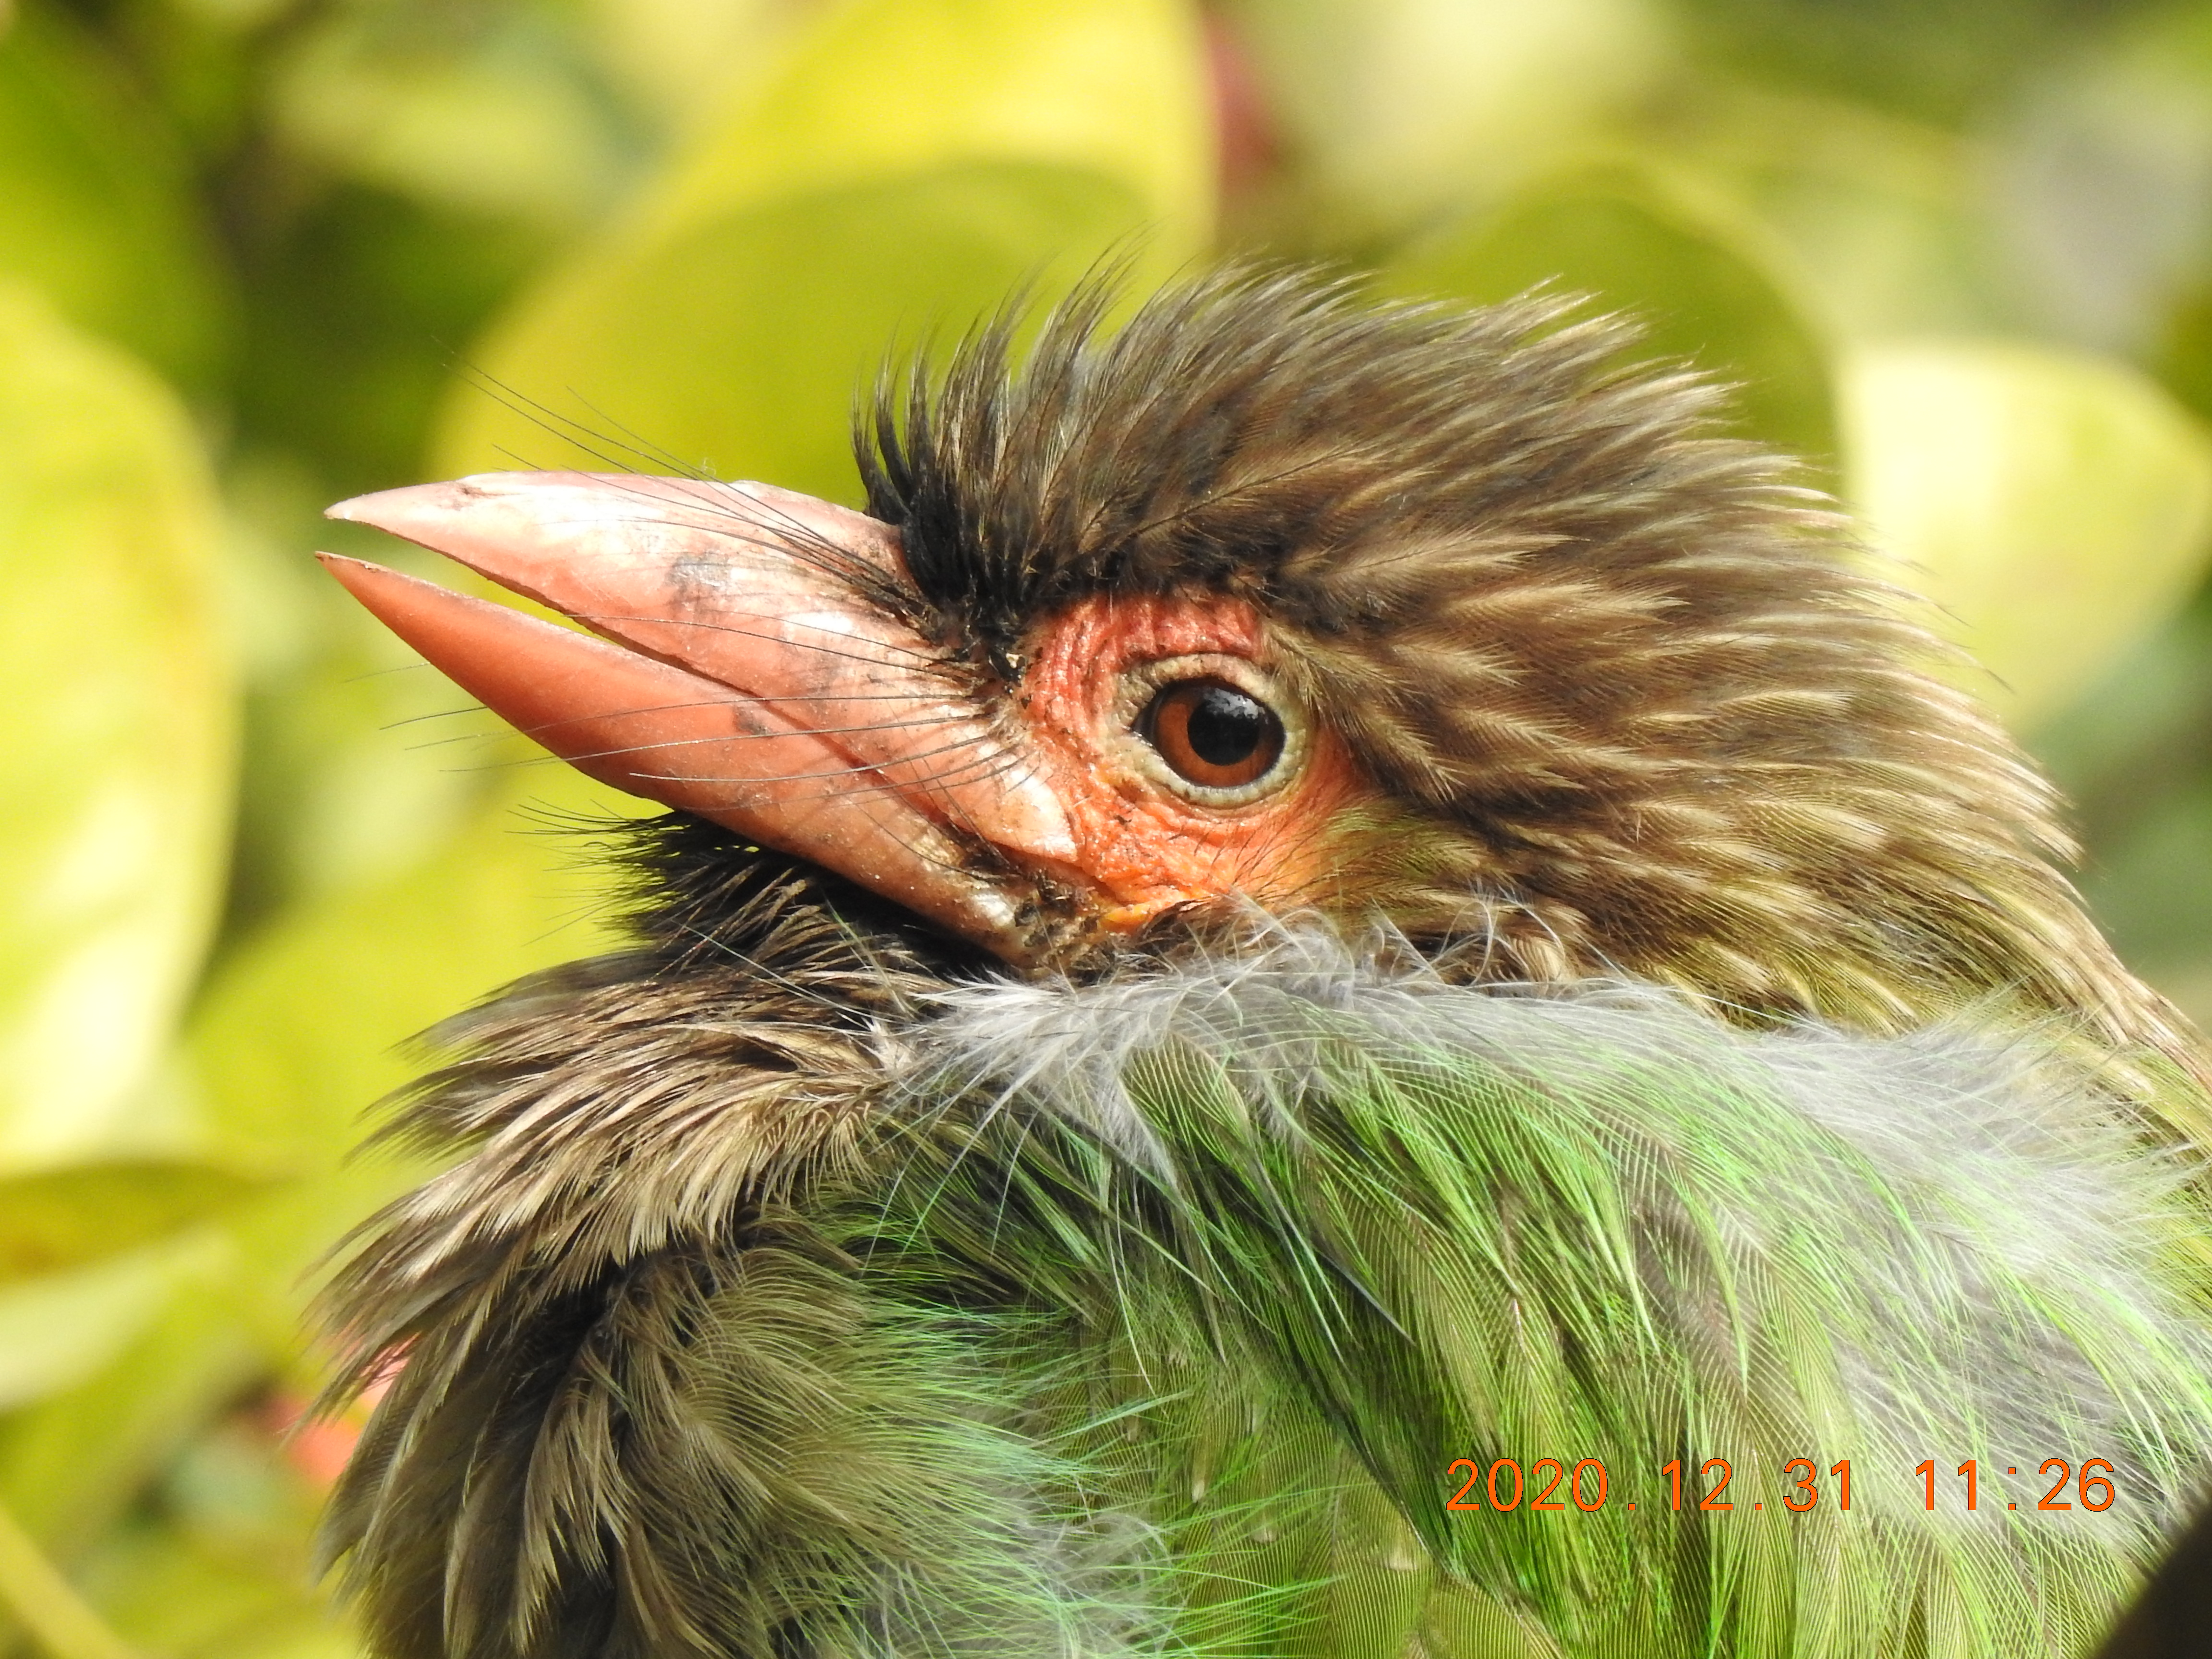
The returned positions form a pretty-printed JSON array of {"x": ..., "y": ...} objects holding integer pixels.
[{"x": 1211, "y": 733}]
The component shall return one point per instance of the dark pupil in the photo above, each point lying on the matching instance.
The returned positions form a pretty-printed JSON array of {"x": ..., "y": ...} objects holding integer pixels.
[{"x": 1225, "y": 725}]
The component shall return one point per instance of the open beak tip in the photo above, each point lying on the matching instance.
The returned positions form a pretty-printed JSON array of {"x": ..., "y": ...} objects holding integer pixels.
[
  {"x": 406, "y": 510},
  {"x": 349, "y": 572},
  {"x": 608, "y": 705},
  {"x": 360, "y": 509},
  {"x": 397, "y": 600}
]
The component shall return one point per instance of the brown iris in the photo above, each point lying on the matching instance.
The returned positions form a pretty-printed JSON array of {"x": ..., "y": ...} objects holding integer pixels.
[{"x": 1211, "y": 733}]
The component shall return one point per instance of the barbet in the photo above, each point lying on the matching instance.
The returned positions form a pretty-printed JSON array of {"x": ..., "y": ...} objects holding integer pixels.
[{"x": 1337, "y": 986}]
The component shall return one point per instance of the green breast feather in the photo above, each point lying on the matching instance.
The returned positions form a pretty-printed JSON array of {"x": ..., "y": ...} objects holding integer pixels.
[{"x": 1157, "y": 1316}]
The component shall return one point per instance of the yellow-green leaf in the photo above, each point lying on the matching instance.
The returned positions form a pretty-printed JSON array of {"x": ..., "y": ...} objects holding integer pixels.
[
  {"x": 681, "y": 62},
  {"x": 740, "y": 347},
  {"x": 160, "y": 1343},
  {"x": 170, "y": 1588},
  {"x": 51, "y": 1219},
  {"x": 1700, "y": 280},
  {"x": 911, "y": 163},
  {"x": 2054, "y": 504},
  {"x": 59, "y": 1328},
  {"x": 118, "y": 751},
  {"x": 884, "y": 87}
]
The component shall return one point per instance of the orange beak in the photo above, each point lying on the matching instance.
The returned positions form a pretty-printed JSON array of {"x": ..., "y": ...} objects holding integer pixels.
[{"x": 751, "y": 679}]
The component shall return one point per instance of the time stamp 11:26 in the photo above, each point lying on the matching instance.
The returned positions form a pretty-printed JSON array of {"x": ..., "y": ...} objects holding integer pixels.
[{"x": 1585, "y": 1484}]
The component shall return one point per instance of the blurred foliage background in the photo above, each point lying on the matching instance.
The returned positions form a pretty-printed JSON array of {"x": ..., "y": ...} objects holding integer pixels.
[{"x": 256, "y": 255}]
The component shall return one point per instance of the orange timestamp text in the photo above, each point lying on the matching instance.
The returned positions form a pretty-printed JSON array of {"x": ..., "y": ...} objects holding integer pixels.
[{"x": 1586, "y": 1484}]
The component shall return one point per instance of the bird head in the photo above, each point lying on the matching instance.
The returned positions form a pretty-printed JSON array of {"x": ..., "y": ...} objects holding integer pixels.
[{"x": 1274, "y": 598}]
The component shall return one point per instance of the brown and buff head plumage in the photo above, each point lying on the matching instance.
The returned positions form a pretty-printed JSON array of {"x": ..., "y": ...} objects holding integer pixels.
[
  {"x": 1636, "y": 702},
  {"x": 1566, "y": 686}
]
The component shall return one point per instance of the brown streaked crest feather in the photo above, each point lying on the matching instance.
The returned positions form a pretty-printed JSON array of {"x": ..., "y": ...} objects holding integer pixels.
[{"x": 1655, "y": 714}]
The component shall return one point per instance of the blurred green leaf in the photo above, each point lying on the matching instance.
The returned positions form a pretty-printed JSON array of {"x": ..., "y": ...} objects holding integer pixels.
[
  {"x": 1406, "y": 107},
  {"x": 2148, "y": 889},
  {"x": 2055, "y": 505},
  {"x": 1884, "y": 219},
  {"x": 356, "y": 313},
  {"x": 220, "y": 1562},
  {"x": 172, "y": 1594},
  {"x": 60, "y": 1329},
  {"x": 2102, "y": 175},
  {"x": 72, "y": 1463},
  {"x": 305, "y": 1029},
  {"x": 1938, "y": 59},
  {"x": 881, "y": 88},
  {"x": 2133, "y": 755},
  {"x": 45, "y": 1602},
  {"x": 1696, "y": 279},
  {"x": 910, "y": 164},
  {"x": 740, "y": 349},
  {"x": 96, "y": 207},
  {"x": 485, "y": 109},
  {"x": 57, "y": 1219},
  {"x": 2140, "y": 734},
  {"x": 681, "y": 60},
  {"x": 2183, "y": 357},
  {"x": 113, "y": 652}
]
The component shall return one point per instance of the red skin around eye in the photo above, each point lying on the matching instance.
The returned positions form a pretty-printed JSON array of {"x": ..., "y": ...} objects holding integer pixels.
[{"x": 1146, "y": 846}]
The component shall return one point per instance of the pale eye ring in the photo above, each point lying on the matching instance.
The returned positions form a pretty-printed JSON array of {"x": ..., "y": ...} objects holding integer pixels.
[{"x": 1213, "y": 728}]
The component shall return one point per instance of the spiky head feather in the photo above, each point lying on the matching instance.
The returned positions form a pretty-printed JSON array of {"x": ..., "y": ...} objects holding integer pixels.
[
  {"x": 1732, "y": 1075},
  {"x": 1641, "y": 705}
]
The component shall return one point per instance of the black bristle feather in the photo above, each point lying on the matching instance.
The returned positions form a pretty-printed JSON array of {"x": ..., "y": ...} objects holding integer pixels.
[{"x": 701, "y": 895}]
